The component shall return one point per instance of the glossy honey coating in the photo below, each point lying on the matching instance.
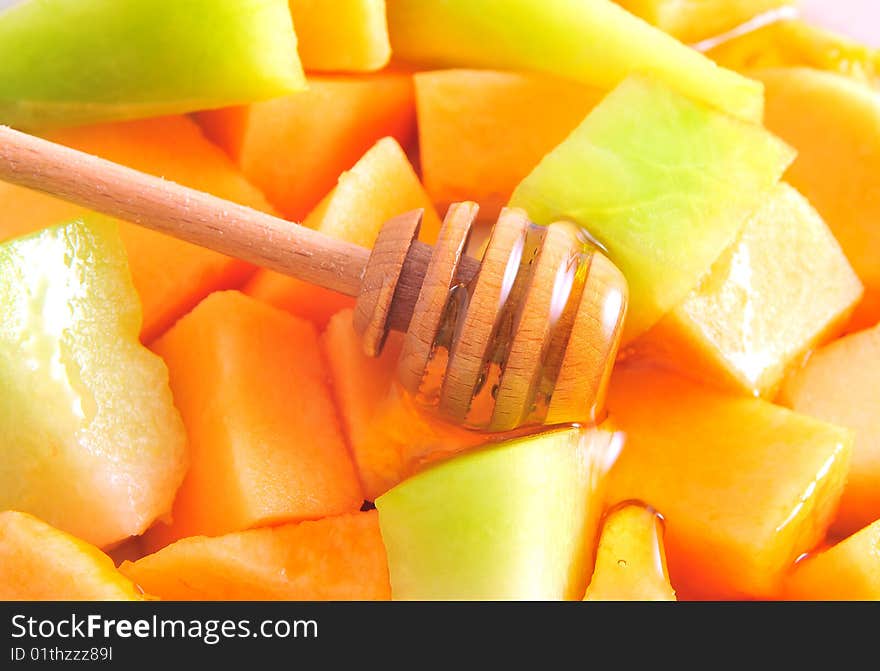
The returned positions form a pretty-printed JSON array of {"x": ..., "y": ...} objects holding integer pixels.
[{"x": 529, "y": 339}]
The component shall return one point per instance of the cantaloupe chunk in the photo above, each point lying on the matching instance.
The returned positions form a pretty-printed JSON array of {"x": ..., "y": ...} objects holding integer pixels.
[
  {"x": 170, "y": 276},
  {"x": 630, "y": 560},
  {"x": 482, "y": 131},
  {"x": 848, "y": 571},
  {"x": 694, "y": 21},
  {"x": 343, "y": 35},
  {"x": 381, "y": 185},
  {"x": 793, "y": 43},
  {"x": 389, "y": 437},
  {"x": 834, "y": 123},
  {"x": 294, "y": 148},
  {"x": 41, "y": 563},
  {"x": 265, "y": 443},
  {"x": 301, "y": 299},
  {"x": 782, "y": 288},
  {"x": 745, "y": 486},
  {"x": 336, "y": 558},
  {"x": 841, "y": 384}
]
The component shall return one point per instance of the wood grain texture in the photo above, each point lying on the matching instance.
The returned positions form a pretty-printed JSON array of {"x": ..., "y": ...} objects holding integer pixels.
[
  {"x": 531, "y": 337},
  {"x": 434, "y": 294},
  {"x": 381, "y": 279},
  {"x": 194, "y": 216},
  {"x": 493, "y": 284},
  {"x": 507, "y": 331}
]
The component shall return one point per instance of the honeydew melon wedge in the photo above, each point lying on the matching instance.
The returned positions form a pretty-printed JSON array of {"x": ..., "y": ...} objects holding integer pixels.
[
  {"x": 90, "y": 440},
  {"x": 71, "y": 62},
  {"x": 595, "y": 42},
  {"x": 513, "y": 521},
  {"x": 664, "y": 183}
]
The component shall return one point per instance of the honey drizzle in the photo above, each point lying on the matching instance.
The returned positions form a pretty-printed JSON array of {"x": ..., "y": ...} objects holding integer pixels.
[
  {"x": 553, "y": 351},
  {"x": 568, "y": 291},
  {"x": 483, "y": 402}
]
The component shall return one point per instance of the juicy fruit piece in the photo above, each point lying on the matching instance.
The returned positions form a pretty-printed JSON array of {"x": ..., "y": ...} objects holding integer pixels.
[
  {"x": 381, "y": 185},
  {"x": 783, "y": 288},
  {"x": 141, "y": 58},
  {"x": 841, "y": 384},
  {"x": 694, "y": 21},
  {"x": 514, "y": 520},
  {"x": 481, "y": 131},
  {"x": 849, "y": 571},
  {"x": 336, "y": 558},
  {"x": 745, "y": 486},
  {"x": 630, "y": 560},
  {"x": 796, "y": 43},
  {"x": 834, "y": 123},
  {"x": 171, "y": 276},
  {"x": 389, "y": 437},
  {"x": 40, "y": 563},
  {"x": 662, "y": 182},
  {"x": 294, "y": 148},
  {"x": 594, "y": 42},
  {"x": 265, "y": 444},
  {"x": 347, "y": 35},
  {"x": 301, "y": 299},
  {"x": 91, "y": 441}
]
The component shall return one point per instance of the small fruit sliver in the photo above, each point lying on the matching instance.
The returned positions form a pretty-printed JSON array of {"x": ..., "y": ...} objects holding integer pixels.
[
  {"x": 631, "y": 560},
  {"x": 336, "y": 558},
  {"x": 41, "y": 563}
]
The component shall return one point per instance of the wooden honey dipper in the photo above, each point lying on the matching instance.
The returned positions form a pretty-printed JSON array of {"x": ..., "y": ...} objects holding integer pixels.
[{"x": 526, "y": 336}]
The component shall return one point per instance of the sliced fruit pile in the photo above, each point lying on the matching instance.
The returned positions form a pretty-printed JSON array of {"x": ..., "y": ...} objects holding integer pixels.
[{"x": 177, "y": 424}]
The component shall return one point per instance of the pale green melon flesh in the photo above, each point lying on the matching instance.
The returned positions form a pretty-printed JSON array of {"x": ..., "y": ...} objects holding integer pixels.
[
  {"x": 71, "y": 62},
  {"x": 592, "y": 41},
  {"x": 513, "y": 521},
  {"x": 90, "y": 440},
  {"x": 664, "y": 183}
]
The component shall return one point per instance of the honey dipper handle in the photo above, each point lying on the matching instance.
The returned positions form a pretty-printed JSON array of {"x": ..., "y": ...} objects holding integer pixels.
[{"x": 184, "y": 213}]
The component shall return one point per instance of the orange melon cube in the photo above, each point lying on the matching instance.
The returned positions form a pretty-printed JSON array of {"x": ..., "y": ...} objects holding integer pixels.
[
  {"x": 301, "y": 299},
  {"x": 834, "y": 123},
  {"x": 745, "y": 486},
  {"x": 390, "y": 438},
  {"x": 841, "y": 384},
  {"x": 294, "y": 148},
  {"x": 265, "y": 443},
  {"x": 41, "y": 563},
  {"x": 170, "y": 276},
  {"x": 784, "y": 287},
  {"x": 336, "y": 558},
  {"x": 693, "y": 21},
  {"x": 796, "y": 43},
  {"x": 345, "y": 35},
  {"x": 481, "y": 132},
  {"x": 381, "y": 185},
  {"x": 848, "y": 571},
  {"x": 630, "y": 560}
]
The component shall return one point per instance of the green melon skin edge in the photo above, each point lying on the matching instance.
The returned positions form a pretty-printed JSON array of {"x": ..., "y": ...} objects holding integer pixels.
[{"x": 73, "y": 62}]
